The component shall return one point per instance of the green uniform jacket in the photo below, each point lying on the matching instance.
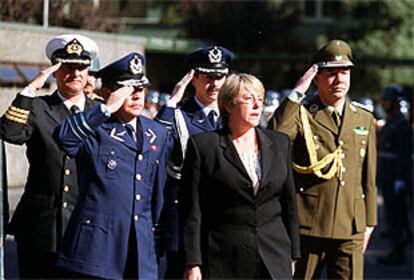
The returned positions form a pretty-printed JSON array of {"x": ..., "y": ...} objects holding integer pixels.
[{"x": 338, "y": 208}]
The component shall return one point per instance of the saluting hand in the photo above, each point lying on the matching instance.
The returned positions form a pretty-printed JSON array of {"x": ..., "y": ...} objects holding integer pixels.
[
  {"x": 117, "y": 98},
  {"x": 305, "y": 81},
  {"x": 39, "y": 81},
  {"x": 180, "y": 87}
]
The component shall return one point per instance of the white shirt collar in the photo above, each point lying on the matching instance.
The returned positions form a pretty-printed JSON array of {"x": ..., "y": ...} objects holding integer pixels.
[
  {"x": 339, "y": 109},
  {"x": 68, "y": 103},
  {"x": 206, "y": 109}
]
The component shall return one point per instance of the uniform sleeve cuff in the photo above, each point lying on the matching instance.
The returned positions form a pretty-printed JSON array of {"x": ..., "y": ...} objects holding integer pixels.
[
  {"x": 27, "y": 92},
  {"x": 369, "y": 230},
  {"x": 105, "y": 110},
  {"x": 296, "y": 96}
]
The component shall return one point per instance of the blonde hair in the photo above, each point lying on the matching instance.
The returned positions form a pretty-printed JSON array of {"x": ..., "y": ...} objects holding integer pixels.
[{"x": 231, "y": 88}]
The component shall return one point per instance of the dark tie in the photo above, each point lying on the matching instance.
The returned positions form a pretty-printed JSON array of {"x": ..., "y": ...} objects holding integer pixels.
[
  {"x": 212, "y": 118},
  {"x": 74, "y": 109},
  {"x": 131, "y": 132},
  {"x": 337, "y": 118}
]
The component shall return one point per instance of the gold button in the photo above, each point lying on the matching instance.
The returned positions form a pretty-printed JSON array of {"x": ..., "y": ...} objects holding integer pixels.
[
  {"x": 315, "y": 137},
  {"x": 341, "y": 142},
  {"x": 342, "y": 156},
  {"x": 363, "y": 195},
  {"x": 316, "y": 147},
  {"x": 176, "y": 201},
  {"x": 65, "y": 204},
  {"x": 138, "y": 197},
  {"x": 135, "y": 218},
  {"x": 343, "y": 169},
  {"x": 301, "y": 189},
  {"x": 112, "y": 152},
  {"x": 342, "y": 183},
  {"x": 88, "y": 221},
  {"x": 140, "y": 157},
  {"x": 363, "y": 142},
  {"x": 138, "y": 177},
  {"x": 66, "y": 188},
  {"x": 67, "y": 172}
]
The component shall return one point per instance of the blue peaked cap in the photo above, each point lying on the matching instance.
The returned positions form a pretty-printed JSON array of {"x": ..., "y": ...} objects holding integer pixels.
[
  {"x": 127, "y": 71},
  {"x": 210, "y": 60}
]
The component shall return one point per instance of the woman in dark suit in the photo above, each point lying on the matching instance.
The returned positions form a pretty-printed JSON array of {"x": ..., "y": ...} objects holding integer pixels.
[{"x": 238, "y": 197}]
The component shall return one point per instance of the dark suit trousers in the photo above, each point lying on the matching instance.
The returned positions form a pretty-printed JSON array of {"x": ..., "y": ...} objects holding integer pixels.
[
  {"x": 343, "y": 258},
  {"x": 36, "y": 264}
]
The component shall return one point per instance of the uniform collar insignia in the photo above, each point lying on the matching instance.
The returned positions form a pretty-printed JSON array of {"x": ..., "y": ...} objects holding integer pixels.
[
  {"x": 215, "y": 55},
  {"x": 74, "y": 47},
  {"x": 313, "y": 108},
  {"x": 151, "y": 134},
  {"x": 135, "y": 65},
  {"x": 117, "y": 136}
]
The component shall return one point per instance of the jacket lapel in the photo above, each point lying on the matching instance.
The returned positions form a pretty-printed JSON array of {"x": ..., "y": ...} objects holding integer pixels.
[
  {"x": 230, "y": 153},
  {"x": 148, "y": 136},
  {"x": 348, "y": 120},
  {"x": 57, "y": 110},
  {"x": 267, "y": 155}
]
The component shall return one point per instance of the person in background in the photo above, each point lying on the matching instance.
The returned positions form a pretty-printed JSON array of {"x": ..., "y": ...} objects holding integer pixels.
[
  {"x": 395, "y": 174},
  {"x": 151, "y": 104},
  {"x": 334, "y": 162},
  {"x": 208, "y": 69},
  {"x": 238, "y": 204},
  {"x": 164, "y": 98},
  {"x": 121, "y": 157},
  {"x": 272, "y": 101},
  {"x": 51, "y": 188}
]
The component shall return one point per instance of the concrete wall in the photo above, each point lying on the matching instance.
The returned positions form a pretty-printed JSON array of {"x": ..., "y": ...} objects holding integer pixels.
[{"x": 26, "y": 43}]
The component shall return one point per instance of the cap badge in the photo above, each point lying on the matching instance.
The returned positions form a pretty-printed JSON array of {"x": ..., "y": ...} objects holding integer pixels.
[
  {"x": 338, "y": 57},
  {"x": 74, "y": 47},
  {"x": 215, "y": 55},
  {"x": 135, "y": 65}
]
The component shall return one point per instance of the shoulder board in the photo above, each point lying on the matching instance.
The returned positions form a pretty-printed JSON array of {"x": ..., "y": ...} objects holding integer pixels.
[{"x": 362, "y": 106}]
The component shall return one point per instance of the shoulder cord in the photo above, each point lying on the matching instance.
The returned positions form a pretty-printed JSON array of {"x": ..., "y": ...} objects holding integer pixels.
[{"x": 315, "y": 165}]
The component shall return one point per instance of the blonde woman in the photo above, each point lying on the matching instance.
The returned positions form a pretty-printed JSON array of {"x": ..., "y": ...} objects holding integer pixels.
[{"x": 238, "y": 195}]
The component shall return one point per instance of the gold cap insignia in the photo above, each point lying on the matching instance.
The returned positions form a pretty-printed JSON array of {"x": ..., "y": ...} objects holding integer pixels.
[
  {"x": 135, "y": 65},
  {"x": 215, "y": 55},
  {"x": 338, "y": 57},
  {"x": 74, "y": 47}
]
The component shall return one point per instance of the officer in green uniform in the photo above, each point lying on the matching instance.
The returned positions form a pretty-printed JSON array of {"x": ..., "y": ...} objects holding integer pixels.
[{"x": 334, "y": 163}]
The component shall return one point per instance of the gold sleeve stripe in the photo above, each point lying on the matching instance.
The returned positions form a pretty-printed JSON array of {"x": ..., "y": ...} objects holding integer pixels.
[
  {"x": 15, "y": 119},
  {"x": 19, "y": 110},
  {"x": 316, "y": 165},
  {"x": 17, "y": 115}
]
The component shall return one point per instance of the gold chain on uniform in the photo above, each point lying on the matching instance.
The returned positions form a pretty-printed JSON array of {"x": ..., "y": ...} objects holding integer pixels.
[{"x": 315, "y": 165}]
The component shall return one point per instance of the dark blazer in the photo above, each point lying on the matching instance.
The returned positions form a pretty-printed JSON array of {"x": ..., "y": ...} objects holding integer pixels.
[
  {"x": 51, "y": 189},
  {"x": 225, "y": 227},
  {"x": 121, "y": 186}
]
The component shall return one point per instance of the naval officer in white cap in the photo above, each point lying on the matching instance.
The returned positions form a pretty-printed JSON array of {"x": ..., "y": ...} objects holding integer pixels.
[{"x": 51, "y": 189}]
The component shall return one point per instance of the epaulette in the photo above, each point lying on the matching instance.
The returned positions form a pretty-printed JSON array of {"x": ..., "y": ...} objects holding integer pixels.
[{"x": 362, "y": 106}]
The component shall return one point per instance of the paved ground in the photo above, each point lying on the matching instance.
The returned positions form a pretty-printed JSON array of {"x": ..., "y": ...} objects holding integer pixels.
[{"x": 378, "y": 247}]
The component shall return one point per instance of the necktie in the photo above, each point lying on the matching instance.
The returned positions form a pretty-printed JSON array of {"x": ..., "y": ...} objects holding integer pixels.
[
  {"x": 131, "y": 132},
  {"x": 212, "y": 118},
  {"x": 74, "y": 109},
  {"x": 337, "y": 118}
]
